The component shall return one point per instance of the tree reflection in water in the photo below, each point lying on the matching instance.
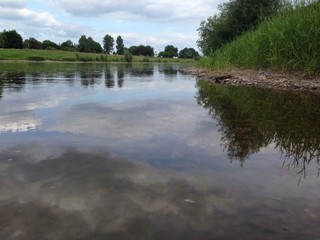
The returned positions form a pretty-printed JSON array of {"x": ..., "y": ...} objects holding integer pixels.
[
  {"x": 14, "y": 82},
  {"x": 251, "y": 119},
  {"x": 1, "y": 88}
]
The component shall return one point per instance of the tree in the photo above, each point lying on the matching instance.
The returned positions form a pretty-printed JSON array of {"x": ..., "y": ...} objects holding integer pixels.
[
  {"x": 163, "y": 54},
  {"x": 133, "y": 50},
  {"x": 120, "y": 45},
  {"x": 169, "y": 52},
  {"x": 188, "y": 53},
  {"x": 68, "y": 46},
  {"x": 108, "y": 43},
  {"x": 142, "y": 50},
  {"x": 12, "y": 39},
  {"x": 83, "y": 44},
  {"x": 95, "y": 46},
  {"x": 1, "y": 40},
  {"x": 34, "y": 44},
  {"x": 26, "y": 43},
  {"x": 49, "y": 45},
  {"x": 89, "y": 45},
  {"x": 149, "y": 51}
]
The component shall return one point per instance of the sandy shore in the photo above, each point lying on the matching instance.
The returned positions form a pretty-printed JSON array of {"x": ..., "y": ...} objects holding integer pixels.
[{"x": 260, "y": 78}]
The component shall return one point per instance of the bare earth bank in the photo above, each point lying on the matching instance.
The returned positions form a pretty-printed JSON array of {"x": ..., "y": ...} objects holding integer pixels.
[{"x": 260, "y": 78}]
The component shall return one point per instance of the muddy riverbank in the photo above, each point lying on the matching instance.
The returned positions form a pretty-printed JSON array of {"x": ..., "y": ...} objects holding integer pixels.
[{"x": 260, "y": 78}]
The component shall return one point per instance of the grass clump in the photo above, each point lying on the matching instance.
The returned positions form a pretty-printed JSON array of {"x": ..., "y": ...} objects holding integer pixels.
[{"x": 290, "y": 40}]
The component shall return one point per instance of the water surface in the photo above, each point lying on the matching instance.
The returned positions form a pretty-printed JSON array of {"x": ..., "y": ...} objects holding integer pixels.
[{"x": 95, "y": 151}]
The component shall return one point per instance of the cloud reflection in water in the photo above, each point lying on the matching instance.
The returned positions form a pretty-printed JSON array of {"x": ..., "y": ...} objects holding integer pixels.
[{"x": 92, "y": 195}]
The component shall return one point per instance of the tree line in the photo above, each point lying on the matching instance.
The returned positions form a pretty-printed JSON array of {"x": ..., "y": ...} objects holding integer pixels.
[{"x": 12, "y": 39}]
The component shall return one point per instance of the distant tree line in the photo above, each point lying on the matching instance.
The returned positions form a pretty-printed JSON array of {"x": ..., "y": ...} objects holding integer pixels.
[
  {"x": 12, "y": 39},
  {"x": 141, "y": 50}
]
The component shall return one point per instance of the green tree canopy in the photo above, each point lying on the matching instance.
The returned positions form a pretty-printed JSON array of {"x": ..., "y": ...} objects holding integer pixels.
[
  {"x": 83, "y": 44},
  {"x": 120, "y": 45},
  {"x": 68, "y": 46},
  {"x": 12, "y": 39},
  {"x": 188, "y": 53},
  {"x": 89, "y": 45},
  {"x": 142, "y": 50},
  {"x": 1, "y": 40},
  {"x": 49, "y": 45},
  {"x": 108, "y": 43},
  {"x": 33, "y": 43},
  {"x": 169, "y": 52}
]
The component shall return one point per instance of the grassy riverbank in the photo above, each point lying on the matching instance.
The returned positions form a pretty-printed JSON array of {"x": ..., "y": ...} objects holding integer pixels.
[
  {"x": 287, "y": 41},
  {"x": 57, "y": 55}
]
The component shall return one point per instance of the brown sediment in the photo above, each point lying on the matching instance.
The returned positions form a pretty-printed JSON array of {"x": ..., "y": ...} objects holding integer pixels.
[{"x": 293, "y": 81}]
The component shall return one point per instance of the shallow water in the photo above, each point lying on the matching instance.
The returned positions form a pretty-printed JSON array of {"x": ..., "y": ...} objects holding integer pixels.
[{"x": 94, "y": 151}]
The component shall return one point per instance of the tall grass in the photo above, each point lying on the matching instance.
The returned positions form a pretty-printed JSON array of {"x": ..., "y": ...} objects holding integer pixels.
[{"x": 290, "y": 40}]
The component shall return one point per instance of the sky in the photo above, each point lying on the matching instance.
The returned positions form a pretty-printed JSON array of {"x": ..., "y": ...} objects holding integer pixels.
[{"x": 148, "y": 22}]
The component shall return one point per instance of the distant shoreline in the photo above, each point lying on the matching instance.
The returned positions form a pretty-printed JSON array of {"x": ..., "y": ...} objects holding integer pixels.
[
  {"x": 32, "y": 55},
  {"x": 60, "y": 61}
]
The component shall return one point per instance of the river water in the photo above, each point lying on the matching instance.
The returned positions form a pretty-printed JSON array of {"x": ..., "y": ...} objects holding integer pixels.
[{"x": 143, "y": 151}]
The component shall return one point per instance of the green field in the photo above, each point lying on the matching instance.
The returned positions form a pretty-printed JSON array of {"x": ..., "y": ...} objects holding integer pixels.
[{"x": 57, "y": 55}]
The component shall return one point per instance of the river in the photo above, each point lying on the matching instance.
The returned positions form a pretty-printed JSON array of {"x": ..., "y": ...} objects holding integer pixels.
[{"x": 143, "y": 151}]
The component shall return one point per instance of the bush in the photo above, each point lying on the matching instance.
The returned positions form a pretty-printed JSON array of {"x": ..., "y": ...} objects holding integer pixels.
[{"x": 127, "y": 56}]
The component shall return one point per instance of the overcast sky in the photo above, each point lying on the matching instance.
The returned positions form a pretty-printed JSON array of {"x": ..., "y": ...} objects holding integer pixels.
[{"x": 148, "y": 22}]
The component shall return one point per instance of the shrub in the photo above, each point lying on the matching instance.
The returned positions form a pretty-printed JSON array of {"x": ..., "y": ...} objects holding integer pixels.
[{"x": 127, "y": 56}]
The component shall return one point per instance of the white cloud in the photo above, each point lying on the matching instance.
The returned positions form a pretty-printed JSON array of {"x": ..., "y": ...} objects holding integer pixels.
[
  {"x": 105, "y": 195},
  {"x": 160, "y": 11},
  {"x": 145, "y": 122},
  {"x": 40, "y": 19},
  {"x": 131, "y": 123},
  {"x": 13, "y": 3},
  {"x": 22, "y": 125},
  {"x": 35, "y": 23},
  {"x": 155, "y": 23}
]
